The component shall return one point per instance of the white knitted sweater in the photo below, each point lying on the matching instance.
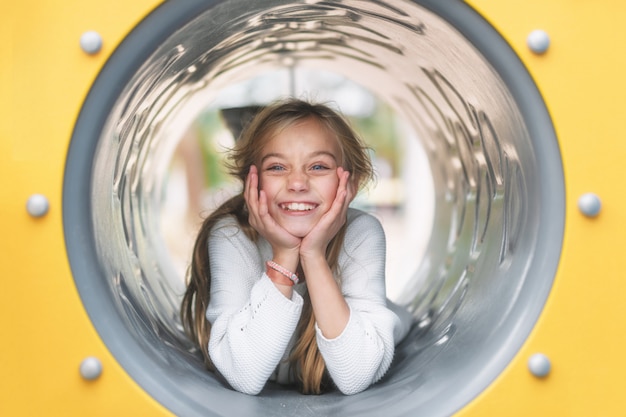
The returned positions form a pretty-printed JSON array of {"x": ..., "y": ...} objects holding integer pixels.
[{"x": 253, "y": 324}]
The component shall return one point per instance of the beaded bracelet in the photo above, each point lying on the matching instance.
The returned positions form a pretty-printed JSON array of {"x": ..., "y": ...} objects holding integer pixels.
[{"x": 283, "y": 271}]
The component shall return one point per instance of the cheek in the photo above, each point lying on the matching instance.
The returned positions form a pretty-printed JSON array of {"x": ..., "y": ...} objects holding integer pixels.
[
  {"x": 330, "y": 188},
  {"x": 269, "y": 185}
]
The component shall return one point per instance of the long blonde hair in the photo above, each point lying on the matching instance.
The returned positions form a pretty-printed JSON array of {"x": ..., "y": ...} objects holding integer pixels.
[{"x": 305, "y": 359}]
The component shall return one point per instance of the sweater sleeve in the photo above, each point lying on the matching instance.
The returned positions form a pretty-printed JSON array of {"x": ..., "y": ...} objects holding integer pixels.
[
  {"x": 251, "y": 321},
  {"x": 363, "y": 352}
]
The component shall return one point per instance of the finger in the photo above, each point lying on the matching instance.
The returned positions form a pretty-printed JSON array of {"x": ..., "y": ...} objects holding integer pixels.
[
  {"x": 254, "y": 181},
  {"x": 263, "y": 209},
  {"x": 264, "y": 217},
  {"x": 343, "y": 177},
  {"x": 346, "y": 195},
  {"x": 246, "y": 184},
  {"x": 252, "y": 198},
  {"x": 251, "y": 192},
  {"x": 347, "y": 183},
  {"x": 344, "y": 191},
  {"x": 341, "y": 172},
  {"x": 351, "y": 188}
]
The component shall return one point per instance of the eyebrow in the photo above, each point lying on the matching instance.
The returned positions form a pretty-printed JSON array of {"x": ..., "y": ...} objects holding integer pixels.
[{"x": 312, "y": 155}]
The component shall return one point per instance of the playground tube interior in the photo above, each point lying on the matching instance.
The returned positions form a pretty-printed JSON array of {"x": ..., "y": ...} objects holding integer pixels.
[{"x": 516, "y": 109}]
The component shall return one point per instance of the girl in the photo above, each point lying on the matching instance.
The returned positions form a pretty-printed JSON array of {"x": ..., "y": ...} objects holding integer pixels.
[{"x": 287, "y": 282}]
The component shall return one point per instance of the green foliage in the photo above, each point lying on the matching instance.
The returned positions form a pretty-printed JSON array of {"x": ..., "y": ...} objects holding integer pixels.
[
  {"x": 210, "y": 125},
  {"x": 380, "y": 131}
]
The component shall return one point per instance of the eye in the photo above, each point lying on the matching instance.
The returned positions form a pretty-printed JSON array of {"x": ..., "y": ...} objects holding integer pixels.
[
  {"x": 319, "y": 167},
  {"x": 275, "y": 168}
]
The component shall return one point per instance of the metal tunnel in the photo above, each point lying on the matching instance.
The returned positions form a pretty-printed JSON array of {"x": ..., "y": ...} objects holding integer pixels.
[{"x": 492, "y": 154}]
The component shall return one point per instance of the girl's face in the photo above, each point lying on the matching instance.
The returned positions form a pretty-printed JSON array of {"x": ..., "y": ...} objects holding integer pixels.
[{"x": 298, "y": 173}]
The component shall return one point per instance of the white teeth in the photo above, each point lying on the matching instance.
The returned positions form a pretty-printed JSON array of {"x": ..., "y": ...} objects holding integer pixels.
[{"x": 298, "y": 207}]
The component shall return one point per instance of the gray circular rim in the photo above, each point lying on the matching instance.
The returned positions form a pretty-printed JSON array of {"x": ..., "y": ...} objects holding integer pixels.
[{"x": 119, "y": 69}]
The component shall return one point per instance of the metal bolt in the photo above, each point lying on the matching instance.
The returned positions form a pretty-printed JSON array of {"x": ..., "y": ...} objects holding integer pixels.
[
  {"x": 91, "y": 42},
  {"x": 37, "y": 205},
  {"x": 589, "y": 204},
  {"x": 539, "y": 365},
  {"x": 91, "y": 368},
  {"x": 538, "y": 41}
]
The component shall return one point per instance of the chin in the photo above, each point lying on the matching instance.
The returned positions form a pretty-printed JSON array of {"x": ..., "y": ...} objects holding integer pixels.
[{"x": 298, "y": 230}]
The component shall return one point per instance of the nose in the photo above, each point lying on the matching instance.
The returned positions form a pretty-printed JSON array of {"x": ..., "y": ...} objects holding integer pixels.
[{"x": 297, "y": 181}]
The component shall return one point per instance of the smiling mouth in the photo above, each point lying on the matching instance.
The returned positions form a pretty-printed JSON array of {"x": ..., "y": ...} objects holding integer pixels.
[{"x": 298, "y": 206}]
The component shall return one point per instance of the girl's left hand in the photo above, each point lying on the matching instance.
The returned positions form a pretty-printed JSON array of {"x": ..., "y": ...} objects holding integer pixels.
[{"x": 316, "y": 241}]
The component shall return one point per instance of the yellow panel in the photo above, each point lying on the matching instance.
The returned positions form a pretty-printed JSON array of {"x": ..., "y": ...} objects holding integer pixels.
[
  {"x": 44, "y": 77},
  {"x": 583, "y": 327}
]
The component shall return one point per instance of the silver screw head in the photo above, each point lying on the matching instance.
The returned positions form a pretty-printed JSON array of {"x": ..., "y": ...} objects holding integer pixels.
[
  {"x": 91, "y": 42},
  {"x": 91, "y": 368},
  {"x": 538, "y": 41},
  {"x": 37, "y": 205},
  {"x": 539, "y": 365},
  {"x": 589, "y": 204}
]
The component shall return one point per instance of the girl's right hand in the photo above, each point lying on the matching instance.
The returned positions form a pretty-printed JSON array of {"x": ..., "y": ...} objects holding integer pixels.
[{"x": 283, "y": 243}]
